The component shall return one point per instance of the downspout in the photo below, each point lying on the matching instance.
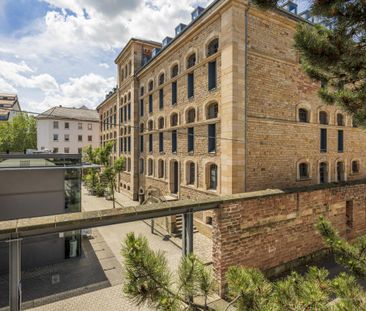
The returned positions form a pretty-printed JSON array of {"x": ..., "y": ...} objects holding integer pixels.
[{"x": 246, "y": 96}]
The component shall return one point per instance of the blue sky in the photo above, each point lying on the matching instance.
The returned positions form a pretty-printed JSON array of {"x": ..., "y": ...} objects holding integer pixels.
[{"x": 61, "y": 52}]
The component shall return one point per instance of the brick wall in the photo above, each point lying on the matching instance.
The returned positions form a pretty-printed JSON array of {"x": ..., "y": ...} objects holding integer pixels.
[{"x": 267, "y": 231}]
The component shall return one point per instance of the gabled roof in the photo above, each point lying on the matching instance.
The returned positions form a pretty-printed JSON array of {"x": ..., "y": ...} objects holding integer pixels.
[{"x": 60, "y": 112}]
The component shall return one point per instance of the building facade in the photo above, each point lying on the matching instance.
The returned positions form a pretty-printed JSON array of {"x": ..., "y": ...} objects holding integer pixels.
[
  {"x": 67, "y": 130},
  {"x": 224, "y": 107},
  {"x": 9, "y": 106}
]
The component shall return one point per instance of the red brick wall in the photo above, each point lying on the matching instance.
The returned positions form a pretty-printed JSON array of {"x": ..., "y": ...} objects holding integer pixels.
[{"x": 269, "y": 231}]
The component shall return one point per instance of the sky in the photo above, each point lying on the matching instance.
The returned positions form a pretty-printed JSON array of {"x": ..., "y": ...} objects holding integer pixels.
[{"x": 61, "y": 52}]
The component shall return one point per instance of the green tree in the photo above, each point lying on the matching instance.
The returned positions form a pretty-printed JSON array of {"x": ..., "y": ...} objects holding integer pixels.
[
  {"x": 335, "y": 55},
  {"x": 111, "y": 172},
  {"x": 148, "y": 281},
  {"x": 18, "y": 134}
]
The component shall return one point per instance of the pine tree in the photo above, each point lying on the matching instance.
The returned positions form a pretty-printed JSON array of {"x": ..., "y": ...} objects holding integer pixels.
[{"x": 335, "y": 54}]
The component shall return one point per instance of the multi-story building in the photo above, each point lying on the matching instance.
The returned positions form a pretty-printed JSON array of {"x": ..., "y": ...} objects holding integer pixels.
[
  {"x": 9, "y": 106},
  {"x": 224, "y": 107},
  {"x": 67, "y": 130}
]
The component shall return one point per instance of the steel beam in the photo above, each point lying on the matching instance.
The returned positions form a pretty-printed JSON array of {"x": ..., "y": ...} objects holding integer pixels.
[
  {"x": 187, "y": 234},
  {"x": 15, "y": 270}
]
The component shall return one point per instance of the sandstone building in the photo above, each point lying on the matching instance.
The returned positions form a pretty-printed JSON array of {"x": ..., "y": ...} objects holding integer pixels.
[{"x": 224, "y": 107}]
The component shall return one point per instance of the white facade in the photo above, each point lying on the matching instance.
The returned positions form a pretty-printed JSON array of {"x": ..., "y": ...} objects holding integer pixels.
[{"x": 66, "y": 136}]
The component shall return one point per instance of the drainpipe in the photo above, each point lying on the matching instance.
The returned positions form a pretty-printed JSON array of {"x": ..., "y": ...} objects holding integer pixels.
[{"x": 246, "y": 98}]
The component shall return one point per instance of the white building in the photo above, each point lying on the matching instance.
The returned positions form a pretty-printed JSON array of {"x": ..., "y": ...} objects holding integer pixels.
[{"x": 67, "y": 130}]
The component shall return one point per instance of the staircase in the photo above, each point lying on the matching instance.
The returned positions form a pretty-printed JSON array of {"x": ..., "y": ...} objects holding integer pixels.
[{"x": 179, "y": 226}]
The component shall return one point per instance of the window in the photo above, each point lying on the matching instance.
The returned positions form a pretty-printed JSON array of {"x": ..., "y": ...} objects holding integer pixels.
[
  {"x": 174, "y": 71},
  {"x": 67, "y": 125},
  {"x": 340, "y": 119},
  {"x": 141, "y": 143},
  {"x": 213, "y": 47},
  {"x": 354, "y": 122},
  {"x": 323, "y": 172},
  {"x": 355, "y": 167},
  {"x": 161, "y": 98},
  {"x": 150, "y": 125},
  {"x": 141, "y": 164},
  {"x": 212, "y": 177},
  {"x": 161, "y": 79},
  {"x": 174, "y": 119},
  {"x": 191, "y": 172},
  {"x": 212, "y": 75},
  {"x": 340, "y": 171},
  {"x": 174, "y": 92},
  {"x": 150, "y": 167},
  {"x": 161, "y": 142},
  {"x": 55, "y": 137},
  {"x": 150, "y": 142},
  {"x": 67, "y": 137},
  {"x": 141, "y": 107},
  {"x": 190, "y": 115},
  {"x": 90, "y": 126},
  {"x": 174, "y": 141},
  {"x": 150, "y": 103},
  {"x": 55, "y": 150},
  {"x": 191, "y": 60},
  {"x": 212, "y": 111},
  {"x": 141, "y": 127},
  {"x": 151, "y": 85},
  {"x": 80, "y": 137},
  {"x": 128, "y": 112},
  {"x": 129, "y": 144},
  {"x": 129, "y": 96},
  {"x": 161, "y": 123},
  {"x": 161, "y": 169},
  {"x": 90, "y": 138},
  {"x": 190, "y": 133},
  {"x": 303, "y": 170},
  {"x": 55, "y": 124},
  {"x": 80, "y": 150},
  {"x": 303, "y": 115},
  {"x": 323, "y": 117},
  {"x": 142, "y": 91},
  {"x": 80, "y": 126},
  {"x": 340, "y": 141},
  {"x": 66, "y": 150},
  {"x": 212, "y": 138},
  {"x": 190, "y": 85},
  {"x": 128, "y": 164},
  {"x": 323, "y": 140},
  {"x": 121, "y": 144}
]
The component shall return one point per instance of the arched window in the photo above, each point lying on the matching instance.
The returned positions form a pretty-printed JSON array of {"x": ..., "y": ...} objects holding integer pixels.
[
  {"x": 354, "y": 122},
  {"x": 212, "y": 175},
  {"x": 303, "y": 115},
  {"x": 323, "y": 117},
  {"x": 323, "y": 172},
  {"x": 161, "y": 79},
  {"x": 150, "y": 167},
  {"x": 340, "y": 171},
  {"x": 213, "y": 47},
  {"x": 161, "y": 167},
  {"x": 129, "y": 96},
  {"x": 191, "y": 60},
  {"x": 151, "y": 85},
  {"x": 122, "y": 74},
  {"x": 141, "y": 127},
  {"x": 303, "y": 170},
  {"x": 175, "y": 70},
  {"x": 125, "y": 98},
  {"x": 174, "y": 119},
  {"x": 355, "y": 166},
  {"x": 151, "y": 125},
  {"x": 129, "y": 68},
  {"x": 142, "y": 90},
  {"x": 340, "y": 119},
  {"x": 212, "y": 111},
  {"x": 191, "y": 115},
  {"x": 129, "y": 164},
  {"x": 191, "y": 173},
  {"x": 161, "y": 123},
  {"x": 141, "y": 166}
]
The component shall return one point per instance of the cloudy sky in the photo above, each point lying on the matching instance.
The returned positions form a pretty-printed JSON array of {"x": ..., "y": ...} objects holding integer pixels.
[{"x": 61, "y": 52}]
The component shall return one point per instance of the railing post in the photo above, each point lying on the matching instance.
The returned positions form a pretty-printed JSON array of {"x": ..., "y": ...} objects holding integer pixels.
[
  {"x": 187, "y": 234},
  {"x": 15, "y": 270}
]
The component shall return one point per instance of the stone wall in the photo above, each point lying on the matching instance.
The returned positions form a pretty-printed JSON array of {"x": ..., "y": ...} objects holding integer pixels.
[{"x": 265, "y": 230}]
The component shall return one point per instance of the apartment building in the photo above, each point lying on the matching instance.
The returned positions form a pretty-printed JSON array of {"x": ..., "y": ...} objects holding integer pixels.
[
  {"x": 224, "y": 107},
  {"x": 67, "y": 130},
  {"x": 9, "y": 106}
]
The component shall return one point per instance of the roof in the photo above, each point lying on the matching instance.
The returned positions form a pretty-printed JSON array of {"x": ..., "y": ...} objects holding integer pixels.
[
  {"x": 60, "y": 112},
  {"x": 107, "y": 98},
  {"x": 8, "y": 101}
]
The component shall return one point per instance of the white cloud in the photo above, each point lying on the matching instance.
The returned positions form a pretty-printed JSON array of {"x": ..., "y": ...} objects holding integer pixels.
[
  {"x": 104, "y": 65},
  {"x": 6, "y": 87}
]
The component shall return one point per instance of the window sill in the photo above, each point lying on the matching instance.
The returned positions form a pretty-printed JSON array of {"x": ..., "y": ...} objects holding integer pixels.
[
  {"x": 323, "y": 151},
  {"x": 304, "y": 179},
  {"x": 213, "y": 89}
]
